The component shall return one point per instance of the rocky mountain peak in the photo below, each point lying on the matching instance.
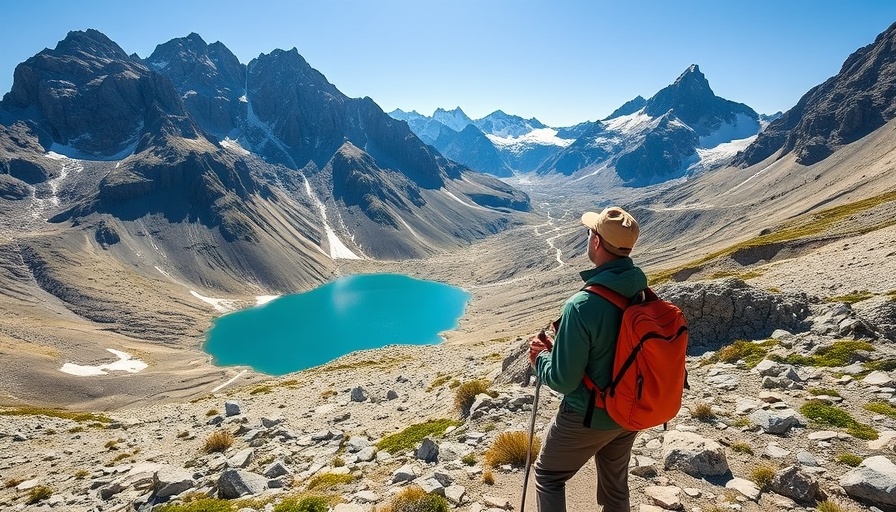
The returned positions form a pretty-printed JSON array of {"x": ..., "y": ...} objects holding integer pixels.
[
  {"x": 455, "y": 119},
  {"x": 846, "y": 107},
  {"x": 90, "y": 43},
  {"x": 208, "y": 77},
  {"x": 688, "y": 97}
]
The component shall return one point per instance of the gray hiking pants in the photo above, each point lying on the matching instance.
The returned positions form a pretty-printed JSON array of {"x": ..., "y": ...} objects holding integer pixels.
[{"x": 567, "y": 448}]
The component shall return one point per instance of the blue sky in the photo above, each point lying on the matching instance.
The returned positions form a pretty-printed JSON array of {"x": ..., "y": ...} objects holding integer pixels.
[{"x": 561, "y": 61}]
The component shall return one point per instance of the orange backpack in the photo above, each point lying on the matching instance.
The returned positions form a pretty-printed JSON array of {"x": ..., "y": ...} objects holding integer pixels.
[{"x": 649, "y": 373}]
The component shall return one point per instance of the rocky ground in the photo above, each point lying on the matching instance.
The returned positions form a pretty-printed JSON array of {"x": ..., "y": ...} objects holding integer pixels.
[{"x": 743, "y": 421}]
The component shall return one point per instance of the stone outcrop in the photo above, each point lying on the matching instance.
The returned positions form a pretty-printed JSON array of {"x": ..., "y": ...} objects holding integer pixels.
[{"x": 719, "y": 312}]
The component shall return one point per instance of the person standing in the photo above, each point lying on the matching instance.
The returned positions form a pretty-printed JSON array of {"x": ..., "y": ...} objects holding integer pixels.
[{"x": 585, "y": 342}]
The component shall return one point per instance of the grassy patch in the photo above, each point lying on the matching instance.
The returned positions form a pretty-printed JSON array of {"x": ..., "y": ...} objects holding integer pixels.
[
  {"x": 380, "y": 363},
  {"x": 881, "y": 408},
  {"x": 218, "y": 441},
  {"x": 849, "y": 459},
  {"x": 751, "y": 353},
  {"x": 742, "y": 447},
  {"x": 12, "y": 482},
  {"x": 415, "y": 499},
  {"x": 328, "y": 393},
  {"x": 81, "y": 474},
  {"x": 827, "y": 415},
  {"x": 440, "y": 379},
  {"x": 512, "y": 448},
  {"x": 884, "y": 365},
  {"x": 488, "y": 477},
  {"x": 762, "y": 475},
  {"x": 469, "y": 459},
  {"x": 851, "y": 298},
  {"x": 824, "y": 391},
  {"x": 743, "y": 276},
  {"x": 211, "y": 412},
  {"x": 326, "y": 481},
  {"x": 81, "y": 417},
  {"x": 465, "y": 394},
  {"x": 891, "y": 294},
  {"x": 408, "y": 438},
  {"x": 199, "y": 505},
  {"x": 840, "y": 353},
  {"x": 309, "y": 503},
  {"x": 805, "y": 227},
  {"x": 263, "y": 389}
]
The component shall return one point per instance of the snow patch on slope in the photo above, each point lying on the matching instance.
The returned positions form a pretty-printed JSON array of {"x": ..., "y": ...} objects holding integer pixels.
[
  {"x": 539, "y": 136},
  {"x": 743, "y": 127}
]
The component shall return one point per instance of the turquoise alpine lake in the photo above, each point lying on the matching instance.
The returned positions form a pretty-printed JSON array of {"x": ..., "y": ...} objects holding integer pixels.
[{"x": 356, "y": 312}]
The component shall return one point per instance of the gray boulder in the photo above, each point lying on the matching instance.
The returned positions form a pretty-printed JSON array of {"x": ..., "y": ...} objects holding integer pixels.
[
  {"x": 234, "y": 483},
  {"x": 428, "y": 451},
  {"x": 776, "y": 421},
  {"x": 693, "y": 454},
  {"x": 873, "y": 481},
  {"x": 232, "y": 408},
  {"x": 169, "y": 481},
  {"x": 796, "y": 485},
  {"x": 358, "y": 394}
]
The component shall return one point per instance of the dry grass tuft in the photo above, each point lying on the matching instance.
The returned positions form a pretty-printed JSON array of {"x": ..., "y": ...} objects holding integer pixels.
[
  {"x": 702, "y": 411},
  {"x": 218, "y": 441},
  {"x": 511, "y": 448},
  {"x": 762, "y": 475}
]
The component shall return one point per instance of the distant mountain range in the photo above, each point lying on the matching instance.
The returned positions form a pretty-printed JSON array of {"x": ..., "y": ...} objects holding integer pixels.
[
  {"x": 191, "y": 136},
  {"x": 678, "y": 130}
]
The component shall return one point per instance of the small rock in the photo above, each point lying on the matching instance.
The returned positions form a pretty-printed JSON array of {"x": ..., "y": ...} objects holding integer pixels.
[
  {"x": 232, "y": 408},
  {"x": 745, "y": 487},
  {"x": 666, "y": 497},
  {"x": 358, "y": 394}
]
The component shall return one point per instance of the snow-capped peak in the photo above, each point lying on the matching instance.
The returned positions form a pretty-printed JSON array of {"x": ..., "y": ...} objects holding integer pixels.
[{"x": 455, "y": 119}]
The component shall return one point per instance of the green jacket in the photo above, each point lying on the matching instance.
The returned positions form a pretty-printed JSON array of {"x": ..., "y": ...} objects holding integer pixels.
[{"x": 586, "y": 338}]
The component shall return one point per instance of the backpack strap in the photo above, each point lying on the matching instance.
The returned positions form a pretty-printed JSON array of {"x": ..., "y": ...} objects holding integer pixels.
[{"x": 617, "y": 299}]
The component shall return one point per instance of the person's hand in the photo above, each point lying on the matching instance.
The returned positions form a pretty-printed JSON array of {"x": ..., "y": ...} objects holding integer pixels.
[{"x": 537, "y": 345}]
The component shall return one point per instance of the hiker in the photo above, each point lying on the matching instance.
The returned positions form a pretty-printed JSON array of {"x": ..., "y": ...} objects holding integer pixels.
[{"x": 585, "y": 341}]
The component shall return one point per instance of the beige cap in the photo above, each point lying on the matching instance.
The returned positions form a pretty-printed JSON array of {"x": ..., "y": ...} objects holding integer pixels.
[{"x": 617, "y": 229}]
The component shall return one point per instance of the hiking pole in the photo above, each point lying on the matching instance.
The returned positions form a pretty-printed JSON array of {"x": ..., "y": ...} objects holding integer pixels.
[
  {"x": 548, "y": 345},
  {"x": 529, "y": 448}
]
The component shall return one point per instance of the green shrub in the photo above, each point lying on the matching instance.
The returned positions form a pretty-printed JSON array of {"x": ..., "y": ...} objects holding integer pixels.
[
  {"x": 465, "y": 394},
  {"x": 512, "y": 448},
  {"x": 39, "y": 493},
  {"x": 469, "y": 459},
  {"x": 882, "y": 408},
  {"x": 828, "y": 415},
  {"x": 849, "y": 459},
  {"x": 304, "y": 504},
  {"x": 415, "y": 499},
  {"x": 408, "y": 438}
]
